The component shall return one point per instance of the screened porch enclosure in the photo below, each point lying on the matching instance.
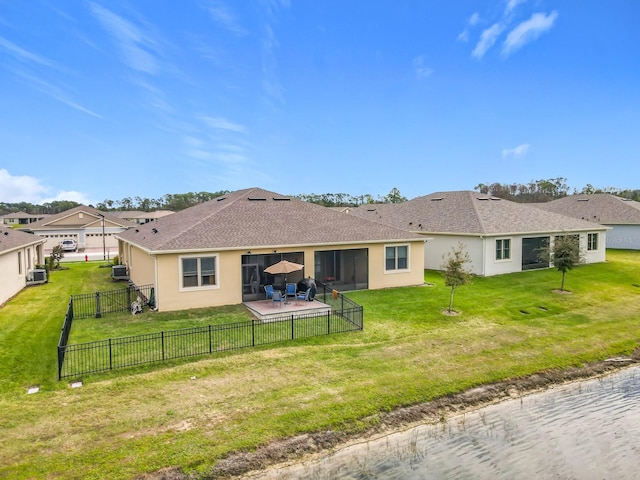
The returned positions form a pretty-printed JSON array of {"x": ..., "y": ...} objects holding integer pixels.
[
  {"x": 343, "y": 269},
  {"x": 531, "y": 248},
  {"x": 254, "y": 278}
]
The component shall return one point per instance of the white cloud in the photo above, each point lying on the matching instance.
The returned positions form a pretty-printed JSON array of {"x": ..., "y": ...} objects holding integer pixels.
[
  {"x": 516, "y": 152},
  {"x": 224, "y": 17},
  {"x": 223, "y": 124},
  {"x": 511, "y": 5},
  {"x": 487, "y": 39},
  {"x": 420, "y": 67},
  {"x": 15, "y": 189},
  {"x": 55, "y": 93},
  {"x": 24, "y": 55},
  {"x": 528, "y": 31},
  {"x": 473, "y": 20},
  {"x": 133, "y": 42}
]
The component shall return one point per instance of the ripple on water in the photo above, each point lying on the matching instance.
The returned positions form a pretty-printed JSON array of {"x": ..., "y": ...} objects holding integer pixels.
[{"x": 586, "y": 430}]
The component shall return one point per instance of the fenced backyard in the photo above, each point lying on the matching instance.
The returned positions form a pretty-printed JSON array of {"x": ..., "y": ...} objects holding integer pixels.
[{"x": 114, "y": 353}]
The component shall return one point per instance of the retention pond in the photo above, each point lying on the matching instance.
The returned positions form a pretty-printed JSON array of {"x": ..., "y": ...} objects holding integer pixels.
[{"x": 584, "y": 430}]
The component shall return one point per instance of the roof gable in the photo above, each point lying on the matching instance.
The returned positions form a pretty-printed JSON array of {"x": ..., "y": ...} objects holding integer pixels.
[
  {"x": 253, "y": 218},
  {"x": 79, "y": 217},
  {"x": 11, "y": 239},
  {"x": 602, "y": 208},
  {"x": 470, "y": 213}
]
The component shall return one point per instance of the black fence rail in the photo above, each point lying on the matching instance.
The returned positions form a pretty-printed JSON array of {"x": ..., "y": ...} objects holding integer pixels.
[
  {"x": 64, "y": 334},
  {"x": 330, "y": 296},
  {"x": 102, "y": 303},
  {"x": 116, "y": 353}
]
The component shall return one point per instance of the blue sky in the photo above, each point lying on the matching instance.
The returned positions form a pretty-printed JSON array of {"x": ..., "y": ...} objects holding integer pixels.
[{"x": 112, "y": 99}]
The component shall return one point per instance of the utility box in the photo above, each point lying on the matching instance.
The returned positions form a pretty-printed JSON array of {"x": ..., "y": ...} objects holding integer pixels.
[
  {"x": 36, "y": 276},
  {"x": 119, "y": 272}
]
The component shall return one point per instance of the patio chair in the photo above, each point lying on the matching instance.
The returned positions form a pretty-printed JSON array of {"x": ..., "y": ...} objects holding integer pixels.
[
  {"x": 276, "y": 296},
  {"x": 303, "y": 296},
  {"x": 290, "y": 291},
  {"x": 268, "y": 290}
]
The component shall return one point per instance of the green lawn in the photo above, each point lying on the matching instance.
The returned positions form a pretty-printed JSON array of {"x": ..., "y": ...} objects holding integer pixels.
[{"x": 192, "y": 413}]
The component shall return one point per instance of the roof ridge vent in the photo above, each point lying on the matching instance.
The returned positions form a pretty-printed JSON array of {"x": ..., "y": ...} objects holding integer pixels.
[
  {"x": 281, "y": 199},
  {"x": 220, "y": 199},
  {"x": 256, "y": 199},
  {"x": 583, "y": 199},
  {"x": 436, "y": 199}
]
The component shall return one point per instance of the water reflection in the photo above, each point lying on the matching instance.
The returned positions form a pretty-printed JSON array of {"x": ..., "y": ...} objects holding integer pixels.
[{"x": 588, "y": 430}]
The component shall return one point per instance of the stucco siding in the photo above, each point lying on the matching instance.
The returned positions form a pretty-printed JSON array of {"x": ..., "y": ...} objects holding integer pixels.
[
  {"x": 11, "y": 281},
  {"x": 438, "y": 246},
  {"x": 624, "y": 237}
]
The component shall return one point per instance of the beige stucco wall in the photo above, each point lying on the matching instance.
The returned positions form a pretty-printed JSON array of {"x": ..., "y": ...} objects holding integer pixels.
[
  {"x": 228, "y": 291},
  {"x": 483, "y": 257},
  {"x": 14, "y": 271}
]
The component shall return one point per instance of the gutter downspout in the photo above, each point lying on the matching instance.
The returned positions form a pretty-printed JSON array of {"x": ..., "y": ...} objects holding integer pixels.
[{"x": 484, "y": 256}]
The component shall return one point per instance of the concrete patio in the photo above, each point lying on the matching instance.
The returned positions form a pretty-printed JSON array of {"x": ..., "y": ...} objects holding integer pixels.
[{"x": 266, "y": 310}]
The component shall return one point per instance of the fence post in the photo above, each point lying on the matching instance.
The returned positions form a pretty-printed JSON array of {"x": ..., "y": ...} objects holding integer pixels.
[
  {"x": 292, "y": 330},
  {"x": 162, "y": 344},
  {"x": 210, "y": 342},
  {"x": 59, "y": 363},
  {"x": 110, "y": 357},
  {"x": 328, "y": 322},
  {"x": 253, "y": 332},
  {"x": 98, "y": 312}
]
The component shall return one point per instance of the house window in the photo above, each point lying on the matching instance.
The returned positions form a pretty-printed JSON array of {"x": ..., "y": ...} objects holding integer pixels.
[
  {"x": 592, "y": 241},
  {"x": 396, "y": 258},
  {"x": 503, "y": 249},
  {"x": 199, "y": 272}
]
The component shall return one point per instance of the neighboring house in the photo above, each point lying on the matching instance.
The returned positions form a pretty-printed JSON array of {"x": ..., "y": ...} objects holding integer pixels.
[
  {"x": 500, "y": 236},
  {"x": 20, "y": 252},
  {"x": 621, "y": 214},
  {"x": 215, "y": 253},
  {"x": 21, "y": 218},
  {"x": 89, "y": 227},
  {"x": 140, "y": 218}
]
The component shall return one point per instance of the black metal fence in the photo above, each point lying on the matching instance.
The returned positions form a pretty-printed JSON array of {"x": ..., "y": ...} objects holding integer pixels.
[
  {"x": 102, "y": 303},
  {"x": 115, "y": 353}
]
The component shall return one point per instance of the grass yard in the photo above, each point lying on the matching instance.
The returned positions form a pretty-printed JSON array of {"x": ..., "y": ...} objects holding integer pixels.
[{"x": 193, "y": 413}]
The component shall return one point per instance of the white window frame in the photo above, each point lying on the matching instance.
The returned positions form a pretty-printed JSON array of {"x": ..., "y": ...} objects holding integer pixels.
[
  {"x": 216, "y": 258},
  {"x": 590, "y": 242},
  {"x": 495, "y": 250},
  {"x": 396, "y": 269}
]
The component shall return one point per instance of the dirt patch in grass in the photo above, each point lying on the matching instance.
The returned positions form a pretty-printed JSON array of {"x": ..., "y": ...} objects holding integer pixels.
[
  {"x": 297, "y": 448},
  {"x": 562, "y": 292}
]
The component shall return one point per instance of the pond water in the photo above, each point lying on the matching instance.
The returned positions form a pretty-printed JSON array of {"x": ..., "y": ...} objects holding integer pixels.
[{"x": 585, "y": 430}]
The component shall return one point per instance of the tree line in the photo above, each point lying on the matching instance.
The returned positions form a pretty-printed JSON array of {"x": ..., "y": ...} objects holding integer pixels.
[
  {"x": 534, "y": 191},
  {"x": 537, "y": 191},
  {"x": 179, "y": 201}
]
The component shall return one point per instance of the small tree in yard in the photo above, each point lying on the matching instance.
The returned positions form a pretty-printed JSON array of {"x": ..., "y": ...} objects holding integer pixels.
[
  {"x": 564, "y": 253},
  {"x": 454, "y": 272},
  {"x": 56, "y": 255}
]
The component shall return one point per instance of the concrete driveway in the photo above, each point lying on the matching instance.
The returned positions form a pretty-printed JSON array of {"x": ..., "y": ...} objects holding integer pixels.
[{"x": 88, "y": 254}]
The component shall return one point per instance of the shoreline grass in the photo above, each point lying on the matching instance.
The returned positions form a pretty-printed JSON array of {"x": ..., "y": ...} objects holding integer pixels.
[{"x": 193, "y": 413}]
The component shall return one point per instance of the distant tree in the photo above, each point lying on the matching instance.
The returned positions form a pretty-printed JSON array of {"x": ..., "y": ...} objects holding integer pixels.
[
  {"x": 453, "y": 270},
  {"x": 394, "y": 196},
  {"x": 564, "y": 253}
]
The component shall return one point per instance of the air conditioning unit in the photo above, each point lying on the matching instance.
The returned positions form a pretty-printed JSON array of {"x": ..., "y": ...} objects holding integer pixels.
[
  {"x": 119, "y": 272},
  {"x": 37, "y": 276}
]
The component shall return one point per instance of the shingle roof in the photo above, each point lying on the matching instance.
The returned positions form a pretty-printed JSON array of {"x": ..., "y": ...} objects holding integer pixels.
[
  {"x": 470, "y": 213},
  {"x": 602, "y": 208},
  {"x": 92, "y": 213},
  {"x": 254, "y": 218},
  {"x": 11, "y": 239}
]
